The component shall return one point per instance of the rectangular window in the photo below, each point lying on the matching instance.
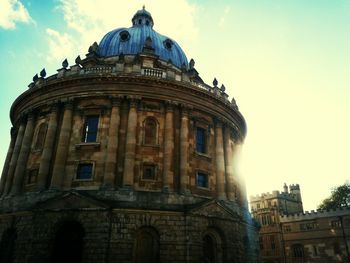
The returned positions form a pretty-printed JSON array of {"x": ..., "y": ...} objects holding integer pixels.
[
  {"x": 202, "y": 180},
  {"x": 90, "y": 129},
  {"x": 201, "y": 139},
  {"x": 287, "y": 228},
  {"x": 149, "y": 172},
  {"x": 84, "y": 171},
  {"x": 308, "y": 226},
  {"x": 336, "y": 224}
]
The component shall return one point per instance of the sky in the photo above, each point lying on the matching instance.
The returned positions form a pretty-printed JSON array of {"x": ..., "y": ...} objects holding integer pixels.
[{"x": 286, "y": 63}]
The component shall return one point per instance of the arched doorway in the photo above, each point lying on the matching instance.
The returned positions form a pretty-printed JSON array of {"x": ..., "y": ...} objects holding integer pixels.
[
  {"x": 209, "y": 249},
  {"x": 212, "y": 247},
  {"x": 146, "y": 247},
  {"x": 68, "y": 243},
  {"x": 7, "y": 245}
]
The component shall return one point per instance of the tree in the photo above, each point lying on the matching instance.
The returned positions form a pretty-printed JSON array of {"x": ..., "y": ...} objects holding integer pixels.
[{"x": 340, "y": 197}]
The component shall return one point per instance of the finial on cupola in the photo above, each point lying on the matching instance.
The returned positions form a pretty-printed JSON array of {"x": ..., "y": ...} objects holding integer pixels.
[
  {"x": 215, "y": 82},
  {"x": 43, "y": 73},
  {"x": 35, "y": 78},
  {"x": 65, "y": 63},
  {"x": 78, "y": 60},
  {"x": 191, "y": 63},
  {"x": 222, "y": 88}
]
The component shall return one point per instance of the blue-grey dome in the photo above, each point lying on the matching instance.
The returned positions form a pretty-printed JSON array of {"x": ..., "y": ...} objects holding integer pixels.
[{"x": 131, "y": 41}]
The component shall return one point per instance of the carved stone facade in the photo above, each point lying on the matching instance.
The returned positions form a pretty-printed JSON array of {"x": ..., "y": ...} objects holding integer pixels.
[{"x": 125, "y": 158}]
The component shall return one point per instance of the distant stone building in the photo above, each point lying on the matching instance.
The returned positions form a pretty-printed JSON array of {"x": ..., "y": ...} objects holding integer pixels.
[
  {"x": 125, "y": 156},
  {"x": 289, "y": 235},
  {"x": 266, "y": 209},
  {"x": 322, "y": 236}
]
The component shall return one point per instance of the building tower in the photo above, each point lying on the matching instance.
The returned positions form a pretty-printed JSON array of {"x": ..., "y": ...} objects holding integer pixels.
[
  {"x": 267, "y": 209},
  {"x": 125, "y": 156}
]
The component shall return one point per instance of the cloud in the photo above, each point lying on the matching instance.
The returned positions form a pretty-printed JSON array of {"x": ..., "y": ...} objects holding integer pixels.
[
  {"x": 88, "y": 21},
  {"x": 60, "y": 45},
  {"x": 12, "y": 12}
]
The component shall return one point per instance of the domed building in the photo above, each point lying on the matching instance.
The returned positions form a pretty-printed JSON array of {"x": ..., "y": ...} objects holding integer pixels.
[{"x": 125, "y": 156}]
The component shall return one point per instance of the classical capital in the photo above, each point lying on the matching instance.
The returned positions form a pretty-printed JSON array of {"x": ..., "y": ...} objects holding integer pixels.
[
  {"x": 116, "y": 100},
  {"x": 169, "y": 105},
  {"x": 134, "y": 100},
  {"x": 218, "y": 122}
]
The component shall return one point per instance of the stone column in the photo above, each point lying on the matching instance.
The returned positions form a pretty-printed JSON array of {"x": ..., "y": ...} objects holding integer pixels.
[
  {"x": 14, "y": 158},
  {"x": 47, "y": 152},
  {"x": 112, "y": 146},
  {"x": 62, "y": 147},
  {"x": 23, "y": 156},
  {"x": 168, "y": 174},
  {"x": 7, "y": 163},
  {"x": 230, "y": 186},
  {"x": 241, "y": 195},
  {"x": 220, "y": 162},
  {"x": 184, "y": 178},
  {"x": 130, "y": 146}
]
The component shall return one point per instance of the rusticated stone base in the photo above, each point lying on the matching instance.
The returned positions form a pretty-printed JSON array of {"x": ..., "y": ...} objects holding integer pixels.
[{"x": 171, "y": 227}]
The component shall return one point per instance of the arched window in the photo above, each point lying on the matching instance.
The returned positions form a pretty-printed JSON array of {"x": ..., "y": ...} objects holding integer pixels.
[
  {"x": 40, "y": 137},
  {"x": 298, "y": 252},
  {"x": 146, "y": 247},
  {"x": 7, "y": 245},
  {"x": 68, "y": 243},
  {"x": 150, "y": 131},
  {"x": 90, "y": 129}
]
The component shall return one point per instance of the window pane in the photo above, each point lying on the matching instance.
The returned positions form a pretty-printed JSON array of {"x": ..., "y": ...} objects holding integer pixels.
[
  {"x": 150, "y": 132},
  {"x": 202, "y": 180},
  {"x": 200, "y": 140},
  {"x": 148, "y": 172},
  {"x": 90, "y": 129},
  {"x": 84, "y": 171}
]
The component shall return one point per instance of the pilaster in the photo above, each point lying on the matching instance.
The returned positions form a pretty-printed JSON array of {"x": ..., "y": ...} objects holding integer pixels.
[
  {"x": 130, "y": 147},
  {"x": 184, "y": 177},
  {"x": 112, "y": 146},
  {"x": 229, "y": 143},
  {"x": 168, "y": 175}
]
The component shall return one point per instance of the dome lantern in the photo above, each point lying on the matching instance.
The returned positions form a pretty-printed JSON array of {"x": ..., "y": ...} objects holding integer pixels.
[
  {"x": 131, "y": 41},
  {"x": 142, "y": 18}
]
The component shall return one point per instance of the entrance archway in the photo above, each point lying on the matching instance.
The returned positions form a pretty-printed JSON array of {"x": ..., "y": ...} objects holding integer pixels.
[
  {"x": 68, "y": 243},
  {"x": 146, "y": 247},
  {"x": 212, "y": 244},
  {"x": 7, "y": 245}
]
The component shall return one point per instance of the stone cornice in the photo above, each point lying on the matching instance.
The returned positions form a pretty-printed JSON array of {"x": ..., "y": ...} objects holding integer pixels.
[{"x": 198, "y": 98}]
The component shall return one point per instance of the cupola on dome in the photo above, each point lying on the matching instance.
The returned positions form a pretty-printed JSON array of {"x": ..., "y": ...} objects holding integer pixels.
[{"x": 131, "y": 41}]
